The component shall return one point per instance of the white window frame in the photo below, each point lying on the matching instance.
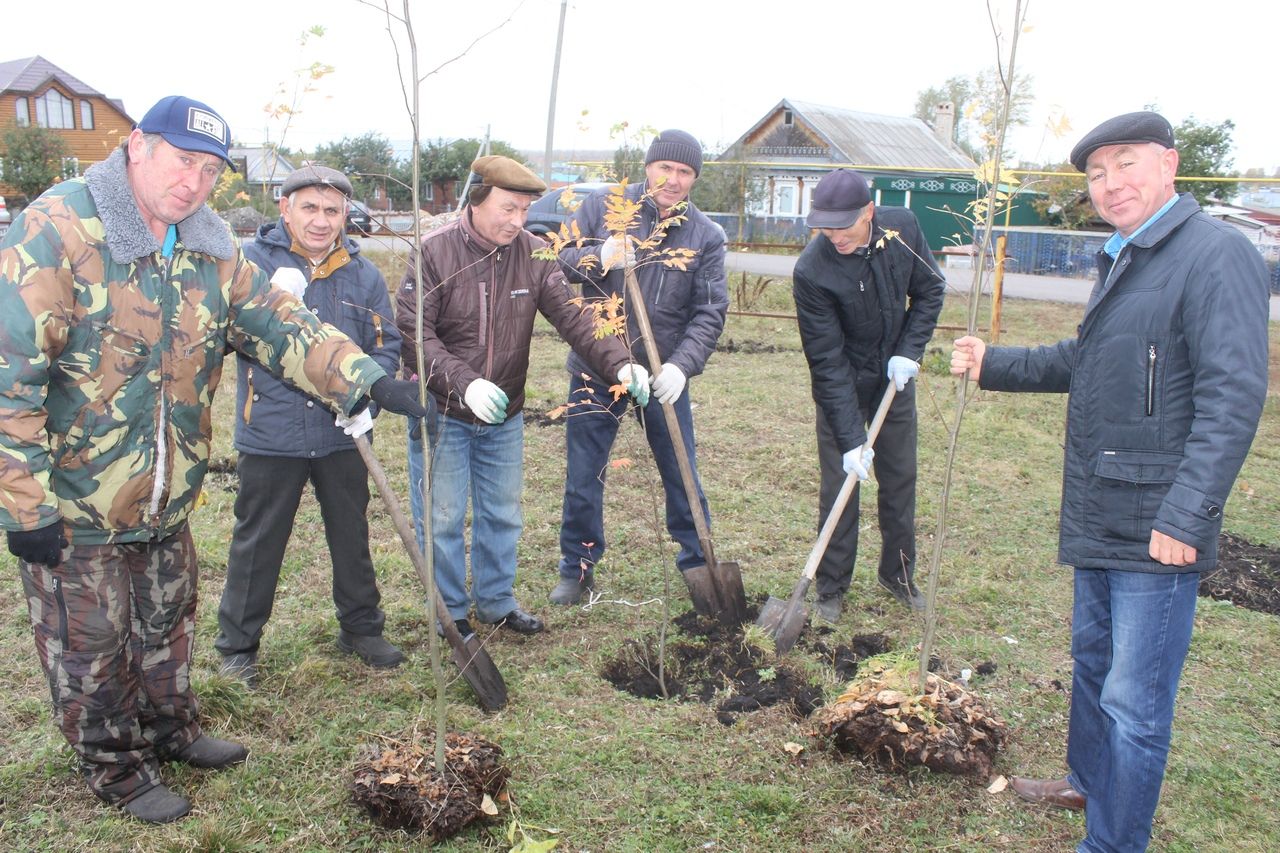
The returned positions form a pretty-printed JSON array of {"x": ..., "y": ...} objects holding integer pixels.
[{"x": 47, "y": 103}]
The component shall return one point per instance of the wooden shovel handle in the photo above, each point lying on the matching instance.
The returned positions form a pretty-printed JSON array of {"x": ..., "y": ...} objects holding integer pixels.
[
  {"x": 846, "y": 489},
  {"x": 637, "y": 309}
]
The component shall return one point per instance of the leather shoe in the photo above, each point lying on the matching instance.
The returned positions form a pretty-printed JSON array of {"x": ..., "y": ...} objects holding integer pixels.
[
  {"x": 463, "y": 626},
  {"x": 242, "y": 666},
  {"x": 830, "y": 607},
  {"x": 520, "y": 622},
  {"x": 374, "y": 650},
  {"x": 211, "y": 753},
  {"x": 157, "y": 805},
  {"x": 1050, "y": 792},
  {"x": 569, "y": 591},
  {"x": 903, "y": 588}
]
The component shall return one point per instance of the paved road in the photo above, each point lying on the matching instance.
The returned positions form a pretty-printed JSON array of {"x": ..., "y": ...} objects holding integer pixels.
[{"x": 1016, "y": 285}]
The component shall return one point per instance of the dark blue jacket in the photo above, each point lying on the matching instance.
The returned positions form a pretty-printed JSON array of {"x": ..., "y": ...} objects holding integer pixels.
[
  {"x": 1167, "y": 377},
  {"x": 686, "y": 307},
  {"x": 834, "y": 333},
  {"x": 274, "y": 418}
]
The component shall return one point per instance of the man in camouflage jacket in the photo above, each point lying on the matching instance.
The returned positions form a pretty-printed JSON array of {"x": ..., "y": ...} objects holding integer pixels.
[{"x": 120, "y": 293}]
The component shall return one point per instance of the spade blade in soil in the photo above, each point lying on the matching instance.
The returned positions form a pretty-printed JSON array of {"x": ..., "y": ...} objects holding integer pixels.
[
  {"x": 480, "y": 672},
  {"x": 771, "y": 615},
  {"x": 472, "y": 660},
  {"x": 786, "y": 619}
]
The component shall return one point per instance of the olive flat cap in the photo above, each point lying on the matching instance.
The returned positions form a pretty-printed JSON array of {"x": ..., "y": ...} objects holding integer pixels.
[
  {"x": 315, "y": 176},
  {"x": 1127, "y": 129},
  {"x": 838, "y": 199},
  {"x": 504, "y": 173}
]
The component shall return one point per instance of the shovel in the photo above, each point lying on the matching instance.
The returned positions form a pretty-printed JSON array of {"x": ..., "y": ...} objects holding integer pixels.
[
  {"x": 716, "y": 588},
  {"x": 786, "y": 619},
  {"x": 468, "y": 654}
]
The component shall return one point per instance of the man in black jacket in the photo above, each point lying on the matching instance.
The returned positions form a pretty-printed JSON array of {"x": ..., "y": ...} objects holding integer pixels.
[
  {"x": 868, "y": 294},
  {"x": 1167, "y": 377}
]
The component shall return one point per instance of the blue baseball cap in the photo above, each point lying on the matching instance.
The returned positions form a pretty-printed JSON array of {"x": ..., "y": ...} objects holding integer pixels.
[{"x": 190, "y": 125}]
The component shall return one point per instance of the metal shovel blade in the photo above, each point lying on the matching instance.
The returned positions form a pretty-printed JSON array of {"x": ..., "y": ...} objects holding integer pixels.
[
  {"x": 785, "y": 620},
  {"x": 469, "y": 654}
]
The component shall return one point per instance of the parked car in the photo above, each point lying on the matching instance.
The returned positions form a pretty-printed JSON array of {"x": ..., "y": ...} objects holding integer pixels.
[
  {"x": 4, "y": 217},
  {"x": 547, "y": 213},
  {"x": 359, "y": 220}
]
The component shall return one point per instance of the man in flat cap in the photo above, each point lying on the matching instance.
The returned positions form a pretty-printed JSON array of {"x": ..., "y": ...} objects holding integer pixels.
[
  {"x": 120, "y": 293},
  {"x": 686, "y": 308},
  {"x": 868, "y": 294},
  {"x": 481, "y": 290},
  {"x": 1167, "y": 378},
  {"x": 285, "y": 440}
]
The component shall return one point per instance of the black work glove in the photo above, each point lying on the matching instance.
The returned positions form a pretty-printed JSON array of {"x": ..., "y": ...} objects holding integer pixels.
[
  {"x": 400, "y": 396},
  {"x": 42, "y": 545}
]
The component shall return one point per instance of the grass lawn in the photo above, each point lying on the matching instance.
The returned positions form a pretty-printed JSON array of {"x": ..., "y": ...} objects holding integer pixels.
[{"x": 614, "y": 773}]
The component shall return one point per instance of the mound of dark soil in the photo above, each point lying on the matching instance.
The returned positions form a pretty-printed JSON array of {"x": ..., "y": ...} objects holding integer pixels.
[
  {"x": 400, "y": 787},
  {"x": 1247, "y": 575},
  {"x": 844, "y": 658},
  {"x": 704, "y": 659}
]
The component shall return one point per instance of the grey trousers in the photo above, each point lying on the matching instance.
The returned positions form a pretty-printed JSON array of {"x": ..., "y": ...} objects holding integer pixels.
[
  {"x": 270, "y": 491},
  {"x": 894, "y": 467}
]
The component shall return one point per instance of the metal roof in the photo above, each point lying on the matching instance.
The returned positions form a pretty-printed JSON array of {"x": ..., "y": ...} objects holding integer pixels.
[
  {"x": 262, "y": 165},
  {"x": 871, "y": 139}
]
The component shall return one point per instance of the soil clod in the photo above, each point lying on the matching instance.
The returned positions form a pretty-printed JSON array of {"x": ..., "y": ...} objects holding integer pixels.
[{"x": 400, "y": 788}]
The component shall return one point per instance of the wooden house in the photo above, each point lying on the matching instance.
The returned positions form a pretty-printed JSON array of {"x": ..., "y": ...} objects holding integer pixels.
[{"x": 35, "y": 92}]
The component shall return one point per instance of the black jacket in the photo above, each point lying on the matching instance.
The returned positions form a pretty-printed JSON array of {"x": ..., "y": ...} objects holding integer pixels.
[
  {"x": 833, "y": 331},
  {"x": 1167, "y": 377}
]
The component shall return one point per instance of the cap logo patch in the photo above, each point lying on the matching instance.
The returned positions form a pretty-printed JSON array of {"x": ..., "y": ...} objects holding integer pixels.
[{"x": 203, "y": 121}]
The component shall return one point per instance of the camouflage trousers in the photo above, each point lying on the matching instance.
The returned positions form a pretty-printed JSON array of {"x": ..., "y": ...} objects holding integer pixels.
[{"x": 114, "y": 628}]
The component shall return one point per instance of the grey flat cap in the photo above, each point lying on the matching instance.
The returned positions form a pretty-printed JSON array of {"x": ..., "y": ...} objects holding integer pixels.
[{"x": 316, "y": 176}]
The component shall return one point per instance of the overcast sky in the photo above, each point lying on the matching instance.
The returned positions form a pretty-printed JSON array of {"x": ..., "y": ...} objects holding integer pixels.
[{"x": 710, "y": 67}]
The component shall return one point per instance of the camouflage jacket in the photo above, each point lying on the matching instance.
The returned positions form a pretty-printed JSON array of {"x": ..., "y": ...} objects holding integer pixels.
[{"x": 110, "y": 355}]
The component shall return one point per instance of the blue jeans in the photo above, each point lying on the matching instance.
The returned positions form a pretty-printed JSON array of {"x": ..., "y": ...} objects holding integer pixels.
[
  {"x": 591, "y": 426},
  {"x": 1130, "y": 632},
  {"x": 486, "y": 464}
]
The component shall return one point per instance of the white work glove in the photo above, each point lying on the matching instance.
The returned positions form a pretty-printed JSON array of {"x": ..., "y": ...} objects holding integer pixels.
[
  {"x": 487, "y": 401},
  {"x": 357, "y": 424},
  {"x": 858, "y": 461},
  {"x": 901, "y": 371},
  {"x": 290, "y": 280},
  {"x": 668, "y": 384},
  {"x": 636, "y": 378},
  {"x": 612, "y": 255}
]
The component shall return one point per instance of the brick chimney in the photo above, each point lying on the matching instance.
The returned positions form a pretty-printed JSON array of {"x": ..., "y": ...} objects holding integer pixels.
[{"x": 944, "y": 122}]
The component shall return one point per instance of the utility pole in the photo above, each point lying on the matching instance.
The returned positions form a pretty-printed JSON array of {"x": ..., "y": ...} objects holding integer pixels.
[{"x": 551, "y": 106}]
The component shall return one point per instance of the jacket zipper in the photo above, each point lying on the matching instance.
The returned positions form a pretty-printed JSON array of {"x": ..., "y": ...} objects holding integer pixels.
[
  {"x": 1151, "y": 378},
  {"x": 162, "y": 444},
  {"x": 63, "y": 632},
  {"x": 491, "y": 300}
]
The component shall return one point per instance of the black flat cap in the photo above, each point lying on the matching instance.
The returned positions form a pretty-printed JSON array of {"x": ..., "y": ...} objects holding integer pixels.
[
  {"x": 315, "y": 176},
  {"x": 503, "y": 172},
  {"x": 838, "y": 199},
  {"x": 1127, "y": 129}
]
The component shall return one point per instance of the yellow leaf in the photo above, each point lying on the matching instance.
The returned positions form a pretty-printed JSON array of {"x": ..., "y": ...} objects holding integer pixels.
[
  {"x": 997, "y": 785},
  {"x": 391, "y": 779},
  {"x": 793, "y": 747},
  {"x": 556, "y": 412},
  {"x": 488, "y": 806}
]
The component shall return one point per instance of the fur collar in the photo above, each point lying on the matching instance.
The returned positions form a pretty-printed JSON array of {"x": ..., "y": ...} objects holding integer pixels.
[{"x": 128, "y": 236}]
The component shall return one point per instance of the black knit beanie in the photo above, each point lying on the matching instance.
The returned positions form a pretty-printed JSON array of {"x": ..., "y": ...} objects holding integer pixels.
[{"x": 678, "y": 147}]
